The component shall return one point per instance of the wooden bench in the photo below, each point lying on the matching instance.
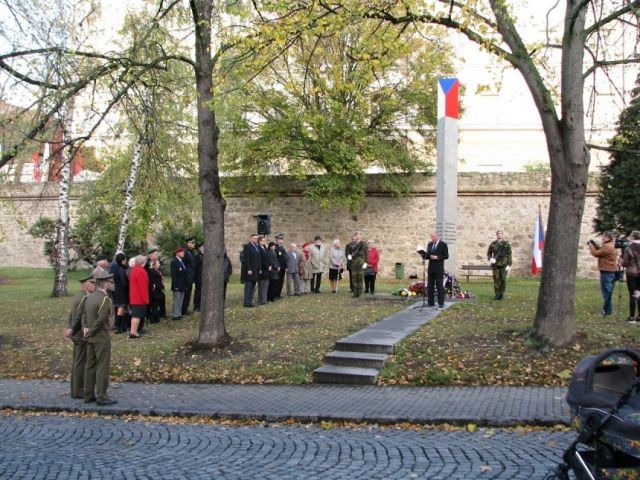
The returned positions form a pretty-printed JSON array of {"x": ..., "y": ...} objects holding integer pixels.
[{"x": 471, "y": 268}]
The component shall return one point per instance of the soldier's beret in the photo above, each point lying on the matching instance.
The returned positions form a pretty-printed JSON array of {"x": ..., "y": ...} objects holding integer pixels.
[
  {"x": 152, "y": 250},
  {"x": 179, "y": 249},
  {"x": 190, "y": 239}
]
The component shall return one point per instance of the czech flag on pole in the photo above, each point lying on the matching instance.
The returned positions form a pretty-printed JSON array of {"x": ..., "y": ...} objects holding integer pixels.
[{"x": 538, "y": 246}]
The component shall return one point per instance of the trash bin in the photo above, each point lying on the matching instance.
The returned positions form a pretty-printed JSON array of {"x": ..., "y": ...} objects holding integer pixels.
[{"x": 399, "y": 270}]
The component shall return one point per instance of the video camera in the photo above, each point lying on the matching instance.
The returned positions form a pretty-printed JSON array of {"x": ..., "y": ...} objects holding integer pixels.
[{"x": 621, "y": 243}]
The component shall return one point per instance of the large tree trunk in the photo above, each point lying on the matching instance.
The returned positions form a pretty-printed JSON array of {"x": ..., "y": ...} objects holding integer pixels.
[
  {"x": 569, "y": 175},
  {"x": 63, "y": 223},
  {"x": 128, "y": 195},
  {"x": 212, "y": 330}
]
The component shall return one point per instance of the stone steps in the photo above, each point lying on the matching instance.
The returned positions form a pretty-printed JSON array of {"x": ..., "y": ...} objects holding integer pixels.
[
  {"x": 358, "y": 358},
  {"x": 346, "y": 375},
  {"x": 355, "y": 359}
]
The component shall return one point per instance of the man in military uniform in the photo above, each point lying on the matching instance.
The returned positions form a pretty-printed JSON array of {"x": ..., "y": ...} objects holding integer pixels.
[
  {"x": 358, "y": 256},
  {"x": 74, "y": 332},
  {"x": 98, "y": 311},
  {"x": 348, "y": 252},
  {"x": 499, "y": 255}
]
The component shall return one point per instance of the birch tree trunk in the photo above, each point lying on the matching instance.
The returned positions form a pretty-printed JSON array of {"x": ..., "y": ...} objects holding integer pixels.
[
  {"x": 62, "y": 224},
  {"x": 212, "y": 329},
  {"x": 128, "y": 194}
]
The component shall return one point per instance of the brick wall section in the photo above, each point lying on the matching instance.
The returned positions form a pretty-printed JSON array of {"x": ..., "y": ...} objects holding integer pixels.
[{"x": 486, "y": 202}]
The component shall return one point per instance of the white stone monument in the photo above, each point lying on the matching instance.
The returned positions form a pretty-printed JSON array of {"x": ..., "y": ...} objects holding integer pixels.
[{"x": 447, "y": 167}]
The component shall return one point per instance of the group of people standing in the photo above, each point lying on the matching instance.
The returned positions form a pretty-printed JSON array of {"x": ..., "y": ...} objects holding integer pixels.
[
  {"x": 610, "y": 268},
  {"x": 267, "y": 266}
]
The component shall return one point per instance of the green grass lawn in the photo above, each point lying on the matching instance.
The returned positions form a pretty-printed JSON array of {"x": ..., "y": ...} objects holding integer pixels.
[
  {"x": 486, "y": 342},
  {"x": 478, "y": 342},
  {"x": 278, "y": 343}
]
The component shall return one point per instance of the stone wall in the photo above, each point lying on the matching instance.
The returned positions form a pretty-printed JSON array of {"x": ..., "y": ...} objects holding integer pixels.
[{"x": 486, "y": 202}]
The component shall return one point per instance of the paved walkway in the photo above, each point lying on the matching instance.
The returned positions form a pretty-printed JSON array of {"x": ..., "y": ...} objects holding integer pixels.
[
  {"x": 70, "y": 448},
  {"x": 495, "y": 406}
]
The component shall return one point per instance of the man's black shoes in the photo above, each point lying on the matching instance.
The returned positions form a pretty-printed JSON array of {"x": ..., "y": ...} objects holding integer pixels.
[{"x": 106, "y": 403}]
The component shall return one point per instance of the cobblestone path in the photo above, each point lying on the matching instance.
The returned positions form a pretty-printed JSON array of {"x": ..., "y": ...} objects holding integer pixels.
[{"x": 67, "y": 447}]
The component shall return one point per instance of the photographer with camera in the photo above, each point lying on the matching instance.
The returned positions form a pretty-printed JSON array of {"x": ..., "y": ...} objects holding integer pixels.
[
  {"x": 631, "y": 262},
  {"x": 607, "y": 264}
]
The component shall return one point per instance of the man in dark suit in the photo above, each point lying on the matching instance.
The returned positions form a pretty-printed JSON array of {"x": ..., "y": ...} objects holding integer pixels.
[
  {"x": 250, "y": 271},
  {"x": 281, "y": 253},
  {"x": 178, "y": 282},
  {"x": 190, "y": 265},
  {"x": 197, "y": 278},
  {"x": 437, "y": 253}
]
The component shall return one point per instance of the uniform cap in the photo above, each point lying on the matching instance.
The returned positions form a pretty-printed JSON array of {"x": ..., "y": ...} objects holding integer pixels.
[
  {"x": 86, "y": 279},
  {"x": 152, "y": 250},
  {"x": 103, "y": 276}
]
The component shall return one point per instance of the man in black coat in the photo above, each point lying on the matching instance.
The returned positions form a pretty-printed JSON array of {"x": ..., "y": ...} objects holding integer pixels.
[
  {"x": 250, "y": 272},
  {"x": 190, "y": 265},
  {"x": 178, "y": 282},
  {"x": 281, "y": 253},
  {"x": 437, "y": 252},
  {"x": 197, "y": 278}
]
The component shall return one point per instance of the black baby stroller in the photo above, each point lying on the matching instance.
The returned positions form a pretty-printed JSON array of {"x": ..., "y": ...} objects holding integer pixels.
[{"x": 606, "y": 412}]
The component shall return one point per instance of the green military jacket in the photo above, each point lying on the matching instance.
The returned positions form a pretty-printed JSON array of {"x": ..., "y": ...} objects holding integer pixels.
[
  {"x": 359, "y": 252},
  {"x": 98, "y": 314},
  {"x": 78, "y": 304},
  {"x": 501, "y": 251}
]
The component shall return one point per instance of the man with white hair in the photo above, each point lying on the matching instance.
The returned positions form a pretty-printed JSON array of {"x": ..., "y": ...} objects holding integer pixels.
[{"x": 293, "y": 270}]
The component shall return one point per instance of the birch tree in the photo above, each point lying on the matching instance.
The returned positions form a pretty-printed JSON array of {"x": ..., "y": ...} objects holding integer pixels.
[
  {"x": 61, "y": 249},
  {"x": 128, "y": 194}
]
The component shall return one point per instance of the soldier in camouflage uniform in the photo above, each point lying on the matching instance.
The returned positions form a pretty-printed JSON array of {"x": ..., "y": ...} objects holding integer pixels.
[
  {"x": 358, "y": 256},
  {"x": 74, "y": 333},
  {"x": 98, "y": 311},
  {"x": 499, "y": 255}
]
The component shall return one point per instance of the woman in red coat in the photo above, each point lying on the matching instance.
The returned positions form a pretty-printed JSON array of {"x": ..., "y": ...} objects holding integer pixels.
[
  {"x": 370, "y": 273},
  {"x": 138, "y": 294}
]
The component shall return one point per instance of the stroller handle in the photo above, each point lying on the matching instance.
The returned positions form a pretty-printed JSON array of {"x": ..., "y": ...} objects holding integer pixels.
[{"x": 619, "y": 351}]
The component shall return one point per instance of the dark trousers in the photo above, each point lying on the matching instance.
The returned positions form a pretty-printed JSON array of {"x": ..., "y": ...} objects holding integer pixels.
[
  {"x": 434, "y": 282},
  {"x": 633, "y": 284},
  {"x": 187, "y": 298},
  {"x": 316, "y": 279},
  {"x": 155, "y": 309},
  {"x": 281, "y": 276},
  {"x": 249, "y": 290},
  {"x": 77, "y": 368},
  {"x": 197, "y": 296},
  {"x": 370, "y": 283},
  {"x": 272, "y": 293},
  {"x": 350, "y": 278}
]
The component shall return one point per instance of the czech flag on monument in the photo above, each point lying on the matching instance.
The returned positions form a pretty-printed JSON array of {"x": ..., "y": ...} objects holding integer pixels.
[{"x": 538, "y": 246}]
